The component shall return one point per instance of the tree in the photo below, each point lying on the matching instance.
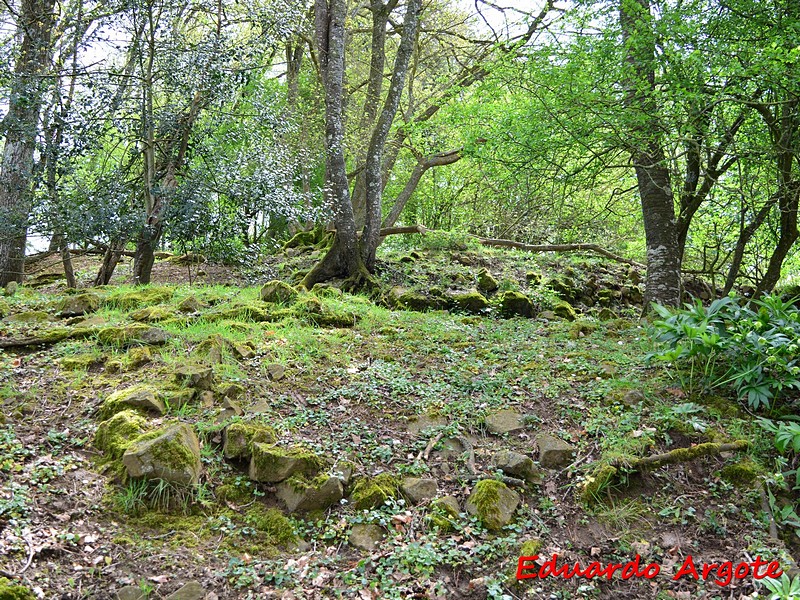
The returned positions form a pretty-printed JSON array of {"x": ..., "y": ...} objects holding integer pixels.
[{"x": 21, "y": 123}]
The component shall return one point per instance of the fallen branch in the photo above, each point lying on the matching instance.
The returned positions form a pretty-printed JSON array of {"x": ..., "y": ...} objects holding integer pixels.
[
  {"x": 412, "y": 229},
  {"x": 605, "y": 474}
]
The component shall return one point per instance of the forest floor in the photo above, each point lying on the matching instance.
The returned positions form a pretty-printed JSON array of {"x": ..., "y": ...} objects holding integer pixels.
[{"x": 376, "y": 389}]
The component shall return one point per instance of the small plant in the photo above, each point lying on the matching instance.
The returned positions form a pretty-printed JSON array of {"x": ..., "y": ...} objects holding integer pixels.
[
  {"x": 785, "y": 588},
  {"x": 751, "y": 348}
]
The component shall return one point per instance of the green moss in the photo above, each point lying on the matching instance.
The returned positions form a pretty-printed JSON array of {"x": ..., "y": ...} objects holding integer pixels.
[
  {"x": 742, "y": 473},
  {"x": 486, "y": 281},
  {"x": 312, "y": 310},
  {"x": 239, "y": 312},
  {"x": 581, "y": 329},
  {"x": 13, "y": 591},
  {"x": 28, "y": 317},
  {"x": 238, "y": 494},
  {"x": 153, "y": 314},
  {"x": 564, "y": 310},
  {"x": 4, "y": 308},
  {"x": 278, "y": 292},
  {"x": 79, "y": 362},
  {"x": 171, "y": 452},
  {"x": 595, "y": 483},
  {"x": 137, "y": 357},
  {"x": 114, "y": 436},
  {"x": 486, "y": 497},
  {"x": 516, "y": 303},
  {"x": 143, "y": 296},
  {"x": 240, "y": 437},
  {"x": 472, "y": 301},
  {"x": 273, "y": 463},
  {"x": 129, "y": 398},
  {"x": 130, "y": 335},
  {"x": 531, "y": 547},
  {"x": 370, "y": 493},
  {"x": 444, "y": 514},
  {"x": 273, "y": 523}
]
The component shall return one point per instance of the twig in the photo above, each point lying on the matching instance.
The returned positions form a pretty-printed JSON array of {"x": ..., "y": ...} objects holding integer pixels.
[
  {"x": 471, "y": 453},
  {"x": 429, "y": 448},
  {"x": 30, "y": 556}
]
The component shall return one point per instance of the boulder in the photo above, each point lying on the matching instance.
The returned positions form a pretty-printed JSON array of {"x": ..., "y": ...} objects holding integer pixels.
[
  {"x": 554, "y": 453},
  {"x": 153, "y": 314},
  {"x": 28, "y": 317},
  {"x": 172, "y": 455},
  {"x": 275, "y": 371},
  {"x": 401, "y": 297},
  {"x": 141, "y": 397},
  {"x": 486, "y": 281},
  {"x": 10, "y": 289},
  {"x": 115, "y": 435},
  {"x": 271, "y": 464},
  {"x": 444, "y": 513},
  {"x": 493, "y": 503},
  {"x": 366, "y": 536},
  {"x": 372, "y": 492},
  {"x": 417, "y": 425},
  {"x": 199, "y": 377},
  {"x": 133, "y": 335},
  {"x": 190, "y": 591},
  {"x": 301, "y": 494},
  {"x": 565, "y": 311},
  {"x": 504, "y": 421},
  {"x": 191, "y": 304},
  {"x": 516, "y": 304},
  {"x": 472, "y": 301},
  {"x": 278, "y": 292},
  {"x": 239, "y": 437},
  {"x": 79, "y": 305},
  {"x": 517, "y": 465},
  {"x": 419, "y": 489}
]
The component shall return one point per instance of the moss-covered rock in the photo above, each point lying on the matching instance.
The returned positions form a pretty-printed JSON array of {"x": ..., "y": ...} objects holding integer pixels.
[
  {"x": 144, "y": 296},
  {"x": 596, "y": 482},
  {"x": 153, "y": 314},
  {"x": 516, "y": 304},
  {"x": 279, "y": 292},
  {"x": 14, "y": 591},
  {"x": 133, "y": 335},
  {"x": 117, "y": 433},
  {"x": 312, "y": 310},
  {"x": 301, "y": 493},
  {"x": 28, "y": 317},
  {"x": 565, "y": 311},
  {"x": 486, "y": 281},
  {"x": 366, "y": 536},
  {"x": 10, "y": 289},
  {"x": 191, "y": 304},
  {"x": 743, "y": 473},
  {"x": 137, "y": 357},
  {"x": 271, "y": 464},
  {"x": 79, "y": 362},
  {"x": 565, "y": 287},
  {"x": 239, "y": 438},
  {"x": 493, "y": 503},
  {"x": 190, "y": 258},
  {"x": 273, "y": 523},
  {"x": 533, "y": 278},
  {"x": 240, "y": 311},
  {"x": 139, "y": 397},
  {"x": 303, "y": 238},
  {"x": 171, "y": 454},
  {"x": 199, "y": 377},
  {"x": 444, "y": 513},
  {"x": 581, "y": 328},
  {"x": 372, "y": 492},
  {"x": 79, "y": 305},
  {"x": 472, "y": 301},
  {"x": 4, "y": 308}
]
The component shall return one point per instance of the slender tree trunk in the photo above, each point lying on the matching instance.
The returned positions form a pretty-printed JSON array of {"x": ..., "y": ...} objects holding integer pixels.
[
  {"x": 663, "y": 284},
  {"x": 745, "y": 236},
  {"x": 343, "y": 259},
  {"x": 110, "y": 261},
  {"x": 373, "y": 170},
  {"x": 36, "y": 22}
]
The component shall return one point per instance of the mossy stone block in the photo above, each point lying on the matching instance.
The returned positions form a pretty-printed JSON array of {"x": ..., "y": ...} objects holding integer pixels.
[{"x": 493, "y": 503}]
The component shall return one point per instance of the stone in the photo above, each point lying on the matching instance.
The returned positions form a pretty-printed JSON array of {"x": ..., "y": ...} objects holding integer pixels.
[
  {"x": 373, "y": 492},
  {"x": 516, "y": 465},
  {"x": 131, "y": 592},
  {"x": 261, "y": 407},
  {"x": 77, "y": 306},
  {"x": 401, "y": 297},
  {"x": 114, "y": 436},
  {"x": 422, "y": 422},
  {"x": 232, "y": 405},
  {"x": 447, "y": 503},
  {"x": 242, "y": 351},
  {"x": 199, "y": 377},
  {"x": 271, "y": 464},
  {"x": 153, "y": 314},
  {"x": 554, "y": 453},
  {"x": 300, "y": 494},
  {"x": 275, "y": 371},
  {"x": 278, "y": 292},
  {"x": 607, "y": 371},
  {"x": 533, "y": 278},
  {"x": 418, "y": 490},
  {"x": 28, "y": 317},
  {"x": 191, "y": 591},
  {"x": 172, "y": 455},
  {"x": 239, "y": 437},
  {"x": 10, "y": 289},
  {"x": 493, "y": 503},
  {"x": 138, "y": 356},
  {"x": 191, "y": 304},
  {"x": 472, "y": 301},
  {"x": 548, "y": 315},
  {"x": 444, "y": 513},
  {"x": 234, "y": 391},
  {"x": 504, "y": 421},
  {"x": 606, "y": 314},
  {"x": 133, "y": 335},
  {"x": 565, "y": 311},
  {"x": 142, "y": 296},
  {"x": 366, "y": 536},
  {"x": 206, "y": 398},
  {"x": 516, "y": 304},
  {"x": 486, "y": 281},
  {"x": 632, "y": 398},
  {"x": 140, "y": 397}
]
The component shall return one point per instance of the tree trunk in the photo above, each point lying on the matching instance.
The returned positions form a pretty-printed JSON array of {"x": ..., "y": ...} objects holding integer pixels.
[
  {"x": 663, "y": 283},
  {"x": 343, "y": 259},
  {"x": 110, "y": 260},
  {"x": 21, "y": 124},
  {"x": 373, "y": 170}
]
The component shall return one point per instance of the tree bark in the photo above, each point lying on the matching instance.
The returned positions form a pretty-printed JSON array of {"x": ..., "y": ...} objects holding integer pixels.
[
  {"x": 35, "y": 22},
  {"x": 373, "y": 171},
  {"x": 343, "y": 259},
  {"x": 663, "y": 282}
]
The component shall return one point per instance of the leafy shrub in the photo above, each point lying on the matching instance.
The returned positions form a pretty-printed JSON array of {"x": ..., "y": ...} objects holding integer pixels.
[{"x": 752, "y": 348}]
